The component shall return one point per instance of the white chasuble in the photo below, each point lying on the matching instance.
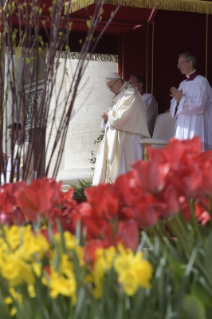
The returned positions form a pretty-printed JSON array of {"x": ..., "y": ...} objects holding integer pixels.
[
  {"x": 194, "y": 112},
  {"x": 127, "y": 123}
]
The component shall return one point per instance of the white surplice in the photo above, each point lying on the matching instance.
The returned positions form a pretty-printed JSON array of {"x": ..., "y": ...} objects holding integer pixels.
[
  {"x": 22, "y": 155},
  {"x": 152, "y": 110},
  {"x": 194, "y": 113},
  {"x": 127, "y": 123}
]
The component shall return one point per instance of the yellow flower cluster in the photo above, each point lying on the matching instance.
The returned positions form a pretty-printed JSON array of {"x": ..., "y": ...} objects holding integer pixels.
[
  {"x": 27, "y": 256},
  {"x": 133, "y": 271},
  {"x": 103, "y": 263},
  {"x": 22, "y": 252}
]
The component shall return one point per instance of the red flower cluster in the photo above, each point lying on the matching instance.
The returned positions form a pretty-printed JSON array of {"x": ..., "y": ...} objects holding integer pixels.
[
  {"x": 41, "y": 199},
  {"x": 113, "y": 213},
  {"x": 152, "y": 190}
]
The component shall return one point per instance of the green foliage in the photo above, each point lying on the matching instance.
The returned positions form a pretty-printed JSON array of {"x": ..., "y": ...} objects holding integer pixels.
[
  {"x": 79, "y": 188},
  {"x": 181, "y": 255},
  {"x": 92, "y": 160},
  {"x": 99, "y": 138}
]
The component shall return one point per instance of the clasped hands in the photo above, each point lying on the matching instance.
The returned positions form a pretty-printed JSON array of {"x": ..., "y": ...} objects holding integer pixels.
[
  {"x": 176, "y": 94},
  {"x": 105, "y": 116}
]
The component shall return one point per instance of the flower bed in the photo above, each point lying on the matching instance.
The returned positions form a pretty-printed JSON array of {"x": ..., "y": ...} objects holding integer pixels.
[{"x": 138, "y": 248}]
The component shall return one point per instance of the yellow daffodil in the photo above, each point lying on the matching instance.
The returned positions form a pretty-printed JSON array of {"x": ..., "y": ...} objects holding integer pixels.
[
  {"x": 12, "y": 235},
  {"x": 31, "y": 291},
  {"x": 80, "y": 255},
  {"x": 61, "y": 285},
  {"x": 133, "y": 270},
  {"x": 34, "y": 246},
  {"x": 16, "y": 271},
  {"x": 69, "y": 239}
]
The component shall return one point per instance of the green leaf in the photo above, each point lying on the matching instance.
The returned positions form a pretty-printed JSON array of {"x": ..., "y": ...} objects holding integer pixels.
[
  {"x": 60, "y": 228},
  {"x": 79, "y": 188},
  {"x": 81, "y": 301},
  {"x": 201, "y": 293},
  {"x": 192, "y": 308}
]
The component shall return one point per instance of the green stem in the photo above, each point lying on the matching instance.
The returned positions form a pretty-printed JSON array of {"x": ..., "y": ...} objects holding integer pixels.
[
  {"x": 182, "y": 240},
  {"x": 194, "y": 222}
]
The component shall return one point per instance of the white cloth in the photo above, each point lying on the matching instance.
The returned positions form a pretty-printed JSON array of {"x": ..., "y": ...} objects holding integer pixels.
[
  {"x": 127, "y": 123},
  {"x": 152, "y": 110},
  {"x": 194, "y": 114},
  {"x": 22, "y": 155}
]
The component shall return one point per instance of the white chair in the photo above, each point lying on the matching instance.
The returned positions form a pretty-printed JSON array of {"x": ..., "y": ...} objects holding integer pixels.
[{"x": 163, "y": 131}]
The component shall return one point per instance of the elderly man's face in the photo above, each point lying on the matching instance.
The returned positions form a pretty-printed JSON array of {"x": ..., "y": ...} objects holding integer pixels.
[
  {"x": 184, "y": 66},
  {"x": 114, "y": 85}
]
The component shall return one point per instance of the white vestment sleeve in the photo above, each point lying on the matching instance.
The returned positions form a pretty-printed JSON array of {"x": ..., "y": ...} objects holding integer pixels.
[
  {"x": 195, "y": 104},
  {"x": 173, "y": 107},
  {"x": 102, "y": 124}
]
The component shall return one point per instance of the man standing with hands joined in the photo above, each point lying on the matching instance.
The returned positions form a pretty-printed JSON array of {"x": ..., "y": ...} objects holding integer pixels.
[
  {"x": 191, "y": 103},
  {"x": 125, "y": 123}
]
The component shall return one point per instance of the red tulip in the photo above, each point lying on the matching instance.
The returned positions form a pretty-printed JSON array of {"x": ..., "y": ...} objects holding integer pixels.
[
  {"x": 151, "y": 175},
  {"x": 176, "y": 152},
  {"x": 103, "y": 201},
  {"x": 201, "y": 210},
  {"x": 91, "y": 225}
]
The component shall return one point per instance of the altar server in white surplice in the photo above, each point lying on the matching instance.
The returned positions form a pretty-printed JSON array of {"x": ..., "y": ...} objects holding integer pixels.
[
  {"x": 191, "y": 103},
  {"x": 125, "y": 123},
  {"x": 149, "y": 100},
  {"x": 23, "y": 157}
]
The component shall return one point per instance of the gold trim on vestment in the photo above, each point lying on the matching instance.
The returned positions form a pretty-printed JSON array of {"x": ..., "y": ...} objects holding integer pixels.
[
  {"x": 145, "y": 152},
  {"x": 198, "y": 6}
]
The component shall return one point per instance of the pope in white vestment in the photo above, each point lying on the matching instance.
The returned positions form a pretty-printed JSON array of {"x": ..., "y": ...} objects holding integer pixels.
[
  {"x": 191, "y": 104},
  {"x": 125, "y": 124}
]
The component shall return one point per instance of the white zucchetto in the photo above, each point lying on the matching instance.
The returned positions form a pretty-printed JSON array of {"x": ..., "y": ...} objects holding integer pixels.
[{"x": 113, "y": 75}]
